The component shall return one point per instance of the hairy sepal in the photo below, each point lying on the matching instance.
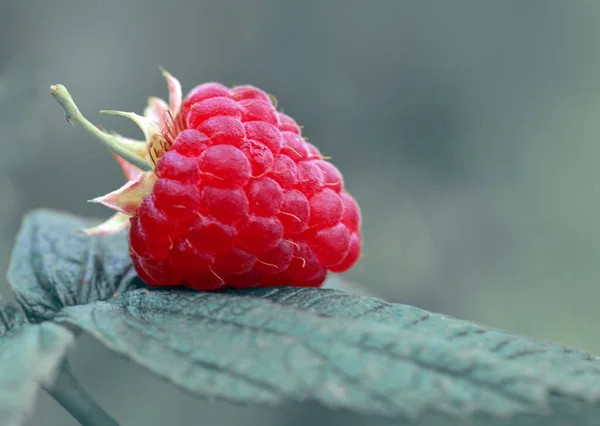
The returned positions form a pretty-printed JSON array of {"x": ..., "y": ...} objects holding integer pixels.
[
  {"x": 155, "y": 142},
  {"x": 128, "y": 198},
  {"x": 112, "y": 226},
  {"x": 175, "y": 94},
  {"x": 156, "y": 111}
]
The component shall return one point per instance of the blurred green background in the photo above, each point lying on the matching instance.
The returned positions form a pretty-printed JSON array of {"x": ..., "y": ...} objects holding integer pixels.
[{"x": 468, "y": 131}]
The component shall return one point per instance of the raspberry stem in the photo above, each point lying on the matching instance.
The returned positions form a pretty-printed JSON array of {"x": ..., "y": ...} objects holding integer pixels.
[
  {"x": 113, "y": 143},
  {"x": 72, "y": 396}
]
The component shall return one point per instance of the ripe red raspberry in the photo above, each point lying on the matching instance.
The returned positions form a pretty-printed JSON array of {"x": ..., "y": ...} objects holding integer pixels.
[{"x": 233, "y": 196}]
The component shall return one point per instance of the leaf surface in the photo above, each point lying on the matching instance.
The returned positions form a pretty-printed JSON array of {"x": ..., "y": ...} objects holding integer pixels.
[
  {"x": 258, "y": 350},
  {"x": 52, "y": 266},
  {"x": 30, "y": 355},
  {"x": 342, "y": 349},
  {"x": 464, "y": 334}
]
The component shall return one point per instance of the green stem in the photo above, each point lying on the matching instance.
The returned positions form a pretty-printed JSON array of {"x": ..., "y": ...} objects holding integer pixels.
[
  {"x": 72, "y": 396},
  {"x": 63, "y": 97}
]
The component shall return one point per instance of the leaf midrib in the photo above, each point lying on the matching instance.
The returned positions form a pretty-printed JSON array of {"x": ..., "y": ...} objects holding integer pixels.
[{"x": 424, "y": 339}]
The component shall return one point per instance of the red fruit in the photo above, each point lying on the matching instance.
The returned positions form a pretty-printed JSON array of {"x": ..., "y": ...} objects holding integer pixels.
[
  {"x": 157, "y": 272},
  {"x": 258, "y": 110},
  {"x": 224, "y": 166},
  {"x": 205, "y": 91},
  {"x": 207, "y": 280},
  {"x": 260, "y": 157},
  {"x": 309, "y": 178},
  {"x": 237, "y": 197},
  {"x": 246, "y": 280},
  {"x": 294, "y": 146},
  {"x": 176, "y": 166},
  {"x": 175, "y": 198},
  {"x": 153, "y": 220},
  {"x": 235, "y": 261},
  {"x": 317, "y": 281},
  {"x": 265, "y": 197},
  {"x": 264, "y": 133},
  {"x": 223, "y": 130},
  {"x": 212, "y": 236},
  {"x": 225, "y": 205},
  {"x": 258, "y": 234},
  {"x": 331, "y": 245},
  {"x": 295, "y": 212},
  {"x": 326, "y": 209},
  {"x": 351, "y": 216},
  {"x": 313, "y": 151},
  {"x": 284, "y": 171},
  {"x": 143, "y": 243},
  {"x": 352, "y": 256},
  {"x": 277, "y": 259},
  {"x": 191, "y": 143},
  {"x": 305, "y": 265},
  {"x": 332, "y": 178},
  {"x": 244, "y": 93},
  {"x": 287, "y": 124},
  {"x": 212, "y": 107},
  {"x": 188, "y": 258}
]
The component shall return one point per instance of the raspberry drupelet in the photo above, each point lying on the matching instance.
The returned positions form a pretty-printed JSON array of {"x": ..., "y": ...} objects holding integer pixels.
[{"x": 225, "y": 192}]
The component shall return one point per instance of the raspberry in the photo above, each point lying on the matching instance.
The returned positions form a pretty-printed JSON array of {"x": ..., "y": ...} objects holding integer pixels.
[{"x": 233, "y": 196}]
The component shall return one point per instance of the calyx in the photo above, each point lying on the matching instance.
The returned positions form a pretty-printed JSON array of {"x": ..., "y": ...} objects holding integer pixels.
[{"x": 136, "y": 158}]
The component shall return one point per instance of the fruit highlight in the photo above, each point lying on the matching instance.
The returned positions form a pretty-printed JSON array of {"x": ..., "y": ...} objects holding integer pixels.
[{"x": 225, "y": 192}]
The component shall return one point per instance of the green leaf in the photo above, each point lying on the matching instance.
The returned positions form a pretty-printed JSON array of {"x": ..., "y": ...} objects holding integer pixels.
[
  {"x": 257, "y": 347},
  {"x": 30, "y": 355},
  {"x": 559, "y": 364},
  {"x": 53, "y": 267},
  {"x": 283, "y": 345},
  {"x": 463, "y": 334}
]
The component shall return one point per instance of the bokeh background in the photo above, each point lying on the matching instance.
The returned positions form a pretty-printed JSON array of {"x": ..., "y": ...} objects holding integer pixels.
[{"x": 468, "y": 131}]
